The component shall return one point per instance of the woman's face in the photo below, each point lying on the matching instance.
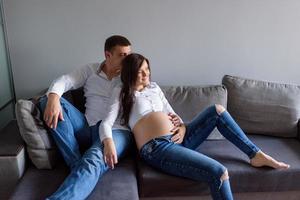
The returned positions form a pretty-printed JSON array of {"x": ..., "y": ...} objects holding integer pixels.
[{"x": 143, "y": 77}]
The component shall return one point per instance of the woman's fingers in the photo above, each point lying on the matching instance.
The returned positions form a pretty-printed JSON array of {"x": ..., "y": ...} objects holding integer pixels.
[
  {"x": 111, "y": 160},
  {"x": 176, "y": 136},
  {"x": 174, "y": 129}
]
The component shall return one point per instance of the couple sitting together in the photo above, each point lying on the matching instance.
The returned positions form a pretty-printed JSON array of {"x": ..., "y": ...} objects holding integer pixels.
[{"x": 124, "y": 110}]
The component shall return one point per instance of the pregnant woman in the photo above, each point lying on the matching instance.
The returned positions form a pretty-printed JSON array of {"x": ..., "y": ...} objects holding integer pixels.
[{"x": 162, "y": 139}]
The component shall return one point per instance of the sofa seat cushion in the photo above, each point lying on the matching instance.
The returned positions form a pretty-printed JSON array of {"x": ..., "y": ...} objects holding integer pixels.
[
  {"x": 243, "y": 177},
  {"x": 119, "y": 183}
]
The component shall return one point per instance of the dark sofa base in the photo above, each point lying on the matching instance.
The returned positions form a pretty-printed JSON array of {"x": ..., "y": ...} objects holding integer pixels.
[
  {"x": 289, "y": 195},
  {"x": 121, "y": 183},
  {"x": 118, "y": 184}
]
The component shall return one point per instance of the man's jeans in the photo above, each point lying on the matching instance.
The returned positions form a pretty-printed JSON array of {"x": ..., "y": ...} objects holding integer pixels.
[
  {"x": 182, "y": 159},
  {"x": 86, "y": 169}
]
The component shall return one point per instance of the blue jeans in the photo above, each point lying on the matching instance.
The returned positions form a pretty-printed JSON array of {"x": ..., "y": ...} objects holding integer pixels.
[
  {"x": 182, "y": 159},
  {"x": 86, "y": 169}
]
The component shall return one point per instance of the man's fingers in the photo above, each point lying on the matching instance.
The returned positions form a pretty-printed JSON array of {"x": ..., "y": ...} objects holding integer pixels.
[
  {"x": 61, "y": 117},
  {"x": 55, "y": 120},
  {"x": 49, "y": 121}
]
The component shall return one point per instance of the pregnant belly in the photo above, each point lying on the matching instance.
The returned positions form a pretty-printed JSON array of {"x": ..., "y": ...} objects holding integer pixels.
[{"x": 152, "y": 125}]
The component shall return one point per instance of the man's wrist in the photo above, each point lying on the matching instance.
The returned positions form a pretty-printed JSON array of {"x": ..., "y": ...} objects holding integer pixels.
[{"x": 53, "y": 96}]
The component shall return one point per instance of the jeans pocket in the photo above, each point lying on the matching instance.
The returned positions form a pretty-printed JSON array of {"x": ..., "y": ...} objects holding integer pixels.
[{"x": 147, "y": 149}]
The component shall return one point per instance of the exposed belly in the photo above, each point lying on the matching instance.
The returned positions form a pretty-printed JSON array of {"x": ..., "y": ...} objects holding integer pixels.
[{"x": 150, "y": 126}]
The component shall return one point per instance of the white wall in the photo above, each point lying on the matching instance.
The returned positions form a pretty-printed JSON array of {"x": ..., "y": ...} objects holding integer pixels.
[{"x": 189, "y": 42}]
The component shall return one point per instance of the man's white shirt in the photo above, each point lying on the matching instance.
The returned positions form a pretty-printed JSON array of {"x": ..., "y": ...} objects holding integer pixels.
[{"x": 97, "y": 90}]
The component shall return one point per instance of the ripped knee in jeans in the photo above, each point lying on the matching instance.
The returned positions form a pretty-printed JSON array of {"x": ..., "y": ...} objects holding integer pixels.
[
  {"x": 219, "y": 109},
  {"x": 225, "y": 176}
]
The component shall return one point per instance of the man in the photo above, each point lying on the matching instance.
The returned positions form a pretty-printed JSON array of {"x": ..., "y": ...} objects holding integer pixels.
[{"x": 71, "y": 129}]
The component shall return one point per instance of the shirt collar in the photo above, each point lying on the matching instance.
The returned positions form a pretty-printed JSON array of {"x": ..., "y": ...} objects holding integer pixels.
[
  {"x": 150, "y": 86},
  {"x": 102, "y": 74}
]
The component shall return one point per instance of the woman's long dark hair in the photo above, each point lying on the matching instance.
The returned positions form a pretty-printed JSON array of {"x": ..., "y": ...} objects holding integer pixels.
[{"x": 130, "y": 68}]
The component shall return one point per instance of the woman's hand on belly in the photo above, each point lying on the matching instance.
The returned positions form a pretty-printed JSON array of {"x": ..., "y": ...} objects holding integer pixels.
[
  {"x": 178, "y": 133},
  {"x": 174, "y": 119}
]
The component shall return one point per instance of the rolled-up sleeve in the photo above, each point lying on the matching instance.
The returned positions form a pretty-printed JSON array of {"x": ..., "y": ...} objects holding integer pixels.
[{"x": 73, "y": 80}]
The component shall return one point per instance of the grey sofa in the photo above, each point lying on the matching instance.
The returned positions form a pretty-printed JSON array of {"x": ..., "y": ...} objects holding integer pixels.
[{"x": 268, "y": 112}]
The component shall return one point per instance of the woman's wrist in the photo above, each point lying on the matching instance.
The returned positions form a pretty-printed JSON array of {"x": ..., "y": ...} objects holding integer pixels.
[{"x": 107, "y": 141}]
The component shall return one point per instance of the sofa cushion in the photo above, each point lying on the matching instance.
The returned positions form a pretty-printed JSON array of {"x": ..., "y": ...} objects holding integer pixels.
[
  {"x": 40, "y": 147},
  {"x": 263, "y": 107},
  {"x": 188, "y": 101},
  {"x": 119, "y": 183},
  {"x": 243, "y": 177}
]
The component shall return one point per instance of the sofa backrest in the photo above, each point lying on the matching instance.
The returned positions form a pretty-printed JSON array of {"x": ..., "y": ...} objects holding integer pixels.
[
  {"x": 262, "y": 107},
  {"x": 188, "y": 101}
]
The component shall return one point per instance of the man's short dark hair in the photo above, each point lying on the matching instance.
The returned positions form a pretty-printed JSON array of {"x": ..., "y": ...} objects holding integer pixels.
[{"x": 115, "y": 40}]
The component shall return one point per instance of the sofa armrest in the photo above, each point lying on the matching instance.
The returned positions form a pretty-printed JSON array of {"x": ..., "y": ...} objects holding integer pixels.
[{"x": 12, "y": 158}]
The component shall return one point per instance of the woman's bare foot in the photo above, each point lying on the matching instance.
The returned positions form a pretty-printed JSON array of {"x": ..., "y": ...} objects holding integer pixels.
[{"x": 262, "y": 159}]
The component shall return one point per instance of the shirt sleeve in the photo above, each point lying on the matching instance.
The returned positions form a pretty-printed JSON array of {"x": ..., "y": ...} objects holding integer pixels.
[
  {"x": 73, "y": 80},
  {"x": 167, "y": 107},
  {"x": 105, "y": 128}
]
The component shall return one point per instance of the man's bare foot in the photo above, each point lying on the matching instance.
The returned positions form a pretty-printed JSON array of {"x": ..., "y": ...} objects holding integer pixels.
[{"x": 262, "y": 159}]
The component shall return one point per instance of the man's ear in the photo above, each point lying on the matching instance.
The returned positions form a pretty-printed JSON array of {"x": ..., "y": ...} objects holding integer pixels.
[{"x": 107, "y": 54}]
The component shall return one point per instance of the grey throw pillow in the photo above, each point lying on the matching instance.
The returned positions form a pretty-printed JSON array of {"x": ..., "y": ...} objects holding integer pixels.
[
  {"x": 40, "y": 145},
  {"x": 262, "y": 107},
  {"x": 189, "y": 101}
]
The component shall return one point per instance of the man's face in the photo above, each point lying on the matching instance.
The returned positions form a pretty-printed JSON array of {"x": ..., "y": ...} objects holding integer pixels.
[{"x": 115, "y": 57}]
